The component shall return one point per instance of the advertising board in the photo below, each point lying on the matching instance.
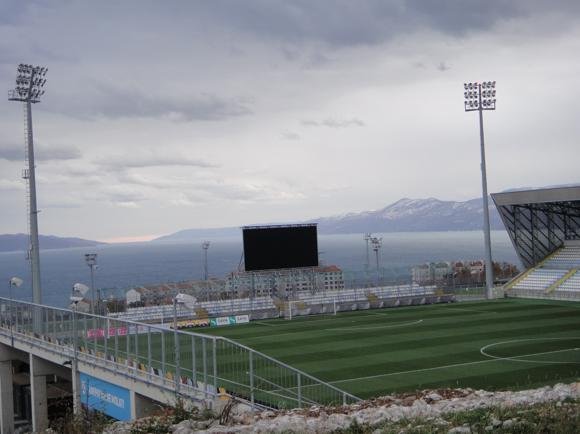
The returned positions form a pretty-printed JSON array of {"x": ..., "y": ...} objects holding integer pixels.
[{"x": 105, "y": 397}]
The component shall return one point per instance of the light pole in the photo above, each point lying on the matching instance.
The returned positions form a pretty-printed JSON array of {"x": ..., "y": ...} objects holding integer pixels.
[
  {"x": 78, "y": 294},
  {"x": 17, "y": 282},
  {"x": 367, "y": 238},
  {"x": 29, "y": 83},
  {"x": 91, "y": 260},
  {"x": 480, "y": 97},
  {"x": 188, "y": 301},
  {"x": 377, "y": 243},
  {"x": 205, "y": 247}
]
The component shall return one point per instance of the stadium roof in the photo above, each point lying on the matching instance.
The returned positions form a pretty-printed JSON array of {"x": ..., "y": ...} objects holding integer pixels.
[{"x": 540, "y": 221}]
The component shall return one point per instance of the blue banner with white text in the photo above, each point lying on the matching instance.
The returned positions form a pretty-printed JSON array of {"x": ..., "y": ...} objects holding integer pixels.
[{"x": 105, "y": 397}]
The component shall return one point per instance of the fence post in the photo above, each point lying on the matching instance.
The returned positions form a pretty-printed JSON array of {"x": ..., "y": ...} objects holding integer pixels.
[
  {"x": 128, "y": 344},
  {"x": 204, "y": 354},
  {"x": 214, "y": 356},
  {"x": 95, "y": 335},
  {"x": 136, "y": 364},
  {"x": 177, "y": 360},
  {"x": 193, "y": 362},
  {"x": 299, "y": 384},
  {"x": 149, "y": 353},
  {"x": 116, "y": 327},
  {"x": 54, "y": 332},
  {"x": 163, "y": 355},
  {"x": 106, "y": 338},
  {"x": 251, "y": 353},
  {"x": 62, "y": 324}
]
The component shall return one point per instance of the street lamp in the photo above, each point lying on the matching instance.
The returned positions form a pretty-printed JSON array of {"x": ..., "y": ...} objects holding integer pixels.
[
  {"x": 78, "y": 294},
  {"x": 91, "y": 260},
  {"x": 480, "y": 97},
  {"x": 17, "y": 282},
  {"x": 29, "y": 83}
]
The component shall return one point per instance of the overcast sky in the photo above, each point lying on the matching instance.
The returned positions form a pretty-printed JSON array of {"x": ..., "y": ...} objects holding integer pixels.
[{"x": 161, "y": 116}]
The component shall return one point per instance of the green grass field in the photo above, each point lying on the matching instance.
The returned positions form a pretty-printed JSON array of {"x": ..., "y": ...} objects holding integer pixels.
[{"x": 508, "y": 343}]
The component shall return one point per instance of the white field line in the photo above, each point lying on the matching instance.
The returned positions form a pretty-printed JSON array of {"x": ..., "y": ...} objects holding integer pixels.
[
  {"x": 455, "y": 365},
  {"x": 483, "y": 351},
  {"x": 308, "y": 322},
  {"x": 356, "y": 328}
]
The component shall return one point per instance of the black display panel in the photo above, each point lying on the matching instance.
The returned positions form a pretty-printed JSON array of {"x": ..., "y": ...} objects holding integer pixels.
[{"x": 278, "y": 247}]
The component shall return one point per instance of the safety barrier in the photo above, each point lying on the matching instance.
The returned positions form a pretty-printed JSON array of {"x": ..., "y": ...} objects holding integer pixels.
[{"x": 191, "y": 364}]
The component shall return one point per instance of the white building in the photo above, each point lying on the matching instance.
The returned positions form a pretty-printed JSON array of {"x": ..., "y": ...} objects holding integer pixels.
[
  {"x": 282, "y": 282},
  {"x": 431, "y": 272}
]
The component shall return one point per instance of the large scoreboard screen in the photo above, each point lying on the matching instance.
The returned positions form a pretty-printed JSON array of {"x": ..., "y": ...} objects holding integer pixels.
[{"x": 279, "y": 247}]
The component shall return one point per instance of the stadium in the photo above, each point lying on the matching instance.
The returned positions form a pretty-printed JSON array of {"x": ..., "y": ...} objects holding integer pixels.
[
  {"x": 528, "y": 337},
  {"x": 335, "y": 347}
]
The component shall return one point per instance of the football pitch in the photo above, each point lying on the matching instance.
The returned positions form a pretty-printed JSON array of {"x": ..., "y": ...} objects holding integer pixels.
[{"x": 501, "y": 344}]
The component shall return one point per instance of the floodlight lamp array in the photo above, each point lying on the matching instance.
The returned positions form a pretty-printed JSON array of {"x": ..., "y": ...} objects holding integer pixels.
[
  {"x": 479, "y": 96},
  {"x": 29, "y": 83}
]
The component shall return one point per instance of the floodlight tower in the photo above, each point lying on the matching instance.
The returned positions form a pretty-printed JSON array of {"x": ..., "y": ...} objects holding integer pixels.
[
  {"x": 377, "y": 243},
  {"x": 367, "y": 238},
  {"x": 480, "y": 97},
  {"x": 91, "y": 260},
  {"x": 29, "y": 83},
  {"x": 205, "y": 247}
]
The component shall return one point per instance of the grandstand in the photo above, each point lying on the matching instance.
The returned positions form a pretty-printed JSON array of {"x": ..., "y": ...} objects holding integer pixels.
[
  {"x": 544, "y": 226},
  {"x": 303, "y": 302}
]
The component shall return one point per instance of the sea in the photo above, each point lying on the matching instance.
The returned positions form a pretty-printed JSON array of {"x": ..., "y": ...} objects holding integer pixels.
[{"x": 122, "y": 266}]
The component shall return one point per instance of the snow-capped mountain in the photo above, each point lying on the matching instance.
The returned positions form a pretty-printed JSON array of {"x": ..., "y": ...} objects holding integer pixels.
[
  {"x": 413, "y": 215},
  {"x": 405, "y": 215}
]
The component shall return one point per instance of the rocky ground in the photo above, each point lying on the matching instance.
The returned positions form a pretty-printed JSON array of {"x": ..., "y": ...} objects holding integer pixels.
[{"x": 547, "y": 409}]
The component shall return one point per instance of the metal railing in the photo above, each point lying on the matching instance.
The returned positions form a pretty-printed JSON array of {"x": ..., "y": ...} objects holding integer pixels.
[
  {"x": 192, "y": 365},
  {"x": 561, "y": 295}
]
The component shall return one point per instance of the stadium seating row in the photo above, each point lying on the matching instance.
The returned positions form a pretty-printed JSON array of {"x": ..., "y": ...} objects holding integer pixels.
[
  {"x": 572, "y": 284},
  {"x": 540, "y": 278},
  {"x": 565, "y": 258}
]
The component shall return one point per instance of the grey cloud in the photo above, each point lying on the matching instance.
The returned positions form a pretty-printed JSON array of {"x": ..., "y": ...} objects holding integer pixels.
[
  {"x": 119, "y": 195},
  {"x": 111, "y": 102},
  {"x": 442, "y": 66},
  {"x": 11, "y": 185},
  {"x": 43, "y": 152},
  {"x": 61, "y": 204},
  {"x": 334, "y": 123},
  {"x": 164, "y": 183},
  {"x": 12, "y": 152},
  {"x": 209, "y": 191},
  {"x": 346, "y": 23},
  {"x": 16, "y": 11},
  {"x": 141, "y": 160},
  {"x": 289, "y": 135}
]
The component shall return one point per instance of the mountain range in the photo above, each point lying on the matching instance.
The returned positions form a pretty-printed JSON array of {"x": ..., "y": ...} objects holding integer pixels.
[
  {"x": 19, "y": 242},
  {"x": 405, "y": 215}
]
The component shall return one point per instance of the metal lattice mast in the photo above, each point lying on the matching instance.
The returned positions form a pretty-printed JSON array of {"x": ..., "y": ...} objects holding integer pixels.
[
  {"x": 480, "y": 97},
  {"x": 29, "y": 83}
]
